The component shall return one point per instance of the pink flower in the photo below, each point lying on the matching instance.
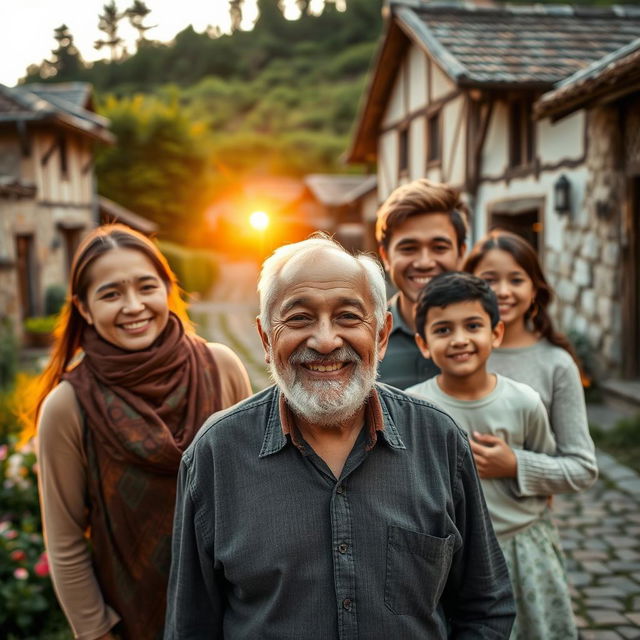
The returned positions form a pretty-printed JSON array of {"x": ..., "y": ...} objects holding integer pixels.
[
  {"x": 41, "y": 567},
  {"x": 11, "y": 534},
  {"x": 20, "y": 573},
  {"x": 18, "y": 555}
]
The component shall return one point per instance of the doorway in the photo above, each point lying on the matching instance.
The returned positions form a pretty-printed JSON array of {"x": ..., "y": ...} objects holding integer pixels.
[
  {"x": 27, "y": 277},
  {"x": 631, "y": 284},
  {"x": 522, "y": 217}
]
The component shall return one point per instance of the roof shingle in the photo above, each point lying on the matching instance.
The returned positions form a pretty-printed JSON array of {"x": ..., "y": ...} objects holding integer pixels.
[{"x": 520, "y": 45}]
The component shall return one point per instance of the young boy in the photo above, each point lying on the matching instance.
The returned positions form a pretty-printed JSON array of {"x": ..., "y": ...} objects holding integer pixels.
[
  {"x": 458, "y": 324},
  {"x": 420, "y": 230}
]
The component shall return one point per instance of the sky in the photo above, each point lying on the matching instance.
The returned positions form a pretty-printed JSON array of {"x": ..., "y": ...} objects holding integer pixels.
[{"x": 26, "y": 26}]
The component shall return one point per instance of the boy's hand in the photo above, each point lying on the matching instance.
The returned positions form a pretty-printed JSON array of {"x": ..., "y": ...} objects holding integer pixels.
[{"x": 494, "y": 457}]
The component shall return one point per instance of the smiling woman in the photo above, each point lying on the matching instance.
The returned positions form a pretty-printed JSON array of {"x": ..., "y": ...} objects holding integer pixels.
[{"x": 127, "y": 388}]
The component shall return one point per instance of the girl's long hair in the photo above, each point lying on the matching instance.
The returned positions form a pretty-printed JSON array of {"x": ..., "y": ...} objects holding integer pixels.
[
  {"x": 71, "y": 324},
  {"x": 524, "y": 254}
]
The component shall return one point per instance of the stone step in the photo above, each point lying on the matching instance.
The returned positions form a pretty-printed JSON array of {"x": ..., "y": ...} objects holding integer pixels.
[{"x": 622, "y": 395}]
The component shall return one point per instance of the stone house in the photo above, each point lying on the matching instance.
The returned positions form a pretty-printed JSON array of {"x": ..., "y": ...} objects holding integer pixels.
[
  {"x": 346, "y": 201},
  {"x": 451, "y": 97},
  {"x": 599, "y": 269},
  {"x": 47, "y": 188}
]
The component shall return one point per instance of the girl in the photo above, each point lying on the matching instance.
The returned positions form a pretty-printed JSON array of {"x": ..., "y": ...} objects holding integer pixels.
[
  {"x": 127, "y": 387},
  {"x": 534, "y": 353}
]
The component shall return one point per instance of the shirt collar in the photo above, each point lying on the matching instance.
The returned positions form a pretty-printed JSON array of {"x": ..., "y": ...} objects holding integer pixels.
[
  {"x": 398, "y": 321},
  {"x": 280, "y": 424}
]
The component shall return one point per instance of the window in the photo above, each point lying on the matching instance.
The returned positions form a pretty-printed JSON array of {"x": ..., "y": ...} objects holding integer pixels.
[
  {"x": 64, "y": 160},
  {"x": 403, "y": 151},
  {"x": 520, "y": 134},
  {"x": 434, "y": 152}
]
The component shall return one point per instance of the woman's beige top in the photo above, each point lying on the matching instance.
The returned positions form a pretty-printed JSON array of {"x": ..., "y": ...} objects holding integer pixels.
[{"x": 62, "y": 480}]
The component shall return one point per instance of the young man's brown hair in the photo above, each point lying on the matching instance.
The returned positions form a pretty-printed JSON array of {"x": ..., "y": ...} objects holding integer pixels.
[{"x": 419, "y": 197}]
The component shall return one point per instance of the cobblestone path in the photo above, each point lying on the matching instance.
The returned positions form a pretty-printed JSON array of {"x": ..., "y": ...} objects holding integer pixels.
[{"x": 600, "y": 531}]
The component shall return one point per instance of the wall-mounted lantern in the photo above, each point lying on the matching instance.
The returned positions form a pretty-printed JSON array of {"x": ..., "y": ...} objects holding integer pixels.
[{"x": 562, "y": 195}]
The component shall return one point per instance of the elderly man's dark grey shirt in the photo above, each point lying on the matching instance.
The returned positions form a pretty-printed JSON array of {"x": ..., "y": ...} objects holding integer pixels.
[{"x": 269, "y": 544}]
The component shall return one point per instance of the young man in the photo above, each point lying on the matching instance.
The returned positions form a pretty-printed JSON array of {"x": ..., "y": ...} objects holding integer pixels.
[
  {"x": 458, "y": 325},
  {"x": 420, "y": 230},
  {"x": 328, "y": 507}
]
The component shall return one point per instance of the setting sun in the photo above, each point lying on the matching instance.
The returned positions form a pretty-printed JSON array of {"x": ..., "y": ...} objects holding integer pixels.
[{"x": 259, "y": 220}]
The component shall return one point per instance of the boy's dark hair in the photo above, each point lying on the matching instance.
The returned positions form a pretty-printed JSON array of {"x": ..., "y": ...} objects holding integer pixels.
[
  {"x": 452, "y": 287},
  {"x": 419, "y": 197}
]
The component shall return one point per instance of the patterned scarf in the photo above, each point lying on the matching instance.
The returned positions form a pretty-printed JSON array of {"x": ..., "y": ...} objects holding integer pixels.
[{"x": 142, "y": 409}]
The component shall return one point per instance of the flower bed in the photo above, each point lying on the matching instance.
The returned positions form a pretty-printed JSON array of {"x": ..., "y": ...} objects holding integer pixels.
[{"x": 28, "y": 607}]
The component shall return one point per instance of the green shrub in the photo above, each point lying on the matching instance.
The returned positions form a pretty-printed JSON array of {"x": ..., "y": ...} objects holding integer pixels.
[
  {"x": 196, "y": 269},
  {"x": 8, "y": 353},
  {"x": 54, "y": 298},
  {"x": 40, "y": 324},
  {"x": 584, "y": 351}
]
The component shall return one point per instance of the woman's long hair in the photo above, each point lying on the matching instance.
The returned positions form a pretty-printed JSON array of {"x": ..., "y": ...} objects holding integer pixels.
[
  {"x": 524, "y": 254},
  {"x": 71, "y": 324}
]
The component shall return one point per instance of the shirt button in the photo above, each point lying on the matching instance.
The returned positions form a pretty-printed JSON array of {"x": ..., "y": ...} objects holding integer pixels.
[
  {"x": 346, "y": 603},
  {"x": 339, "y": 489},
  {"x": 343, "y": 547}
]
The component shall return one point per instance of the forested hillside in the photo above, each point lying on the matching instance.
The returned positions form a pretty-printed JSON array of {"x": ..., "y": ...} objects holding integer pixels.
[{"x": 204, "y": 113}]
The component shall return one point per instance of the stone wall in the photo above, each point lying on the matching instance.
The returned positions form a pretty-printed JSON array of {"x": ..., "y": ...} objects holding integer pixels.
[{"x": 586, "y": 272}]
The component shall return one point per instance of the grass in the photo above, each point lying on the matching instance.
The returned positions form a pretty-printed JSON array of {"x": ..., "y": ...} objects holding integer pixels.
[{"x": 622, "y": 441}]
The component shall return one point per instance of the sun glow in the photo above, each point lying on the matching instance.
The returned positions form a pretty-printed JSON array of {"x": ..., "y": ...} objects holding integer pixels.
[{"x": 259, "y": 220}]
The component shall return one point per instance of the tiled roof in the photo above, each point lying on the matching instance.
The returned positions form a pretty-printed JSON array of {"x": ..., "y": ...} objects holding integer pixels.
[
  {"x": 612, "y": 72},
  {"x": 336, "y": 189},
  {"x": 502, "y": 47},
  {"x": 516, "y": 44},
  {"x": 111, "y": 211},
  {"x": 22, "y": 104},
  {"x": 76, "y": 93}
]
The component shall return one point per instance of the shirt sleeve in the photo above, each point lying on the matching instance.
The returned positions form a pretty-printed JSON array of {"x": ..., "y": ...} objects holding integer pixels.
[
  {"x": 194, "y": 596},
  {"x": 573, "y": 467},
  {"x": 478, "y": 598},
  {"x": 234, "y": 379},
  {"x": 62, "y": 486}
]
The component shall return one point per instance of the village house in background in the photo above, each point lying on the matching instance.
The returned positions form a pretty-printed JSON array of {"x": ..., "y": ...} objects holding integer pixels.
[
  {"x": 347, "y": 200},
  {"x": 452, "y": 97},
  {"x": 47, "y": 190},
  {"x": 605, "y": 238}
]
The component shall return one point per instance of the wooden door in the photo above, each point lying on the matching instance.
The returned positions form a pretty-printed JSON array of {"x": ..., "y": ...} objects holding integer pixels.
[{"x": 26, "y": 268}]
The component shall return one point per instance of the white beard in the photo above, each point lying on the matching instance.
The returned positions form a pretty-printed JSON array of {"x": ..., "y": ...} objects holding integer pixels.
[{"x": 325, "y": 403}]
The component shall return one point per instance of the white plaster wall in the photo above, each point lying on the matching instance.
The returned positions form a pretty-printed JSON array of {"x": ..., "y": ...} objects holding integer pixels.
[
  {"x": 435, "y": 173},
  {"x": 453, "y": 141},
  {"x": 562, "y": 140},
  {"x": 417, "y": 151},
  {"x": 495, "y": 150},
  {"x": 396, "y": 107},
  {"x": 440, "y": 83},
  {"x": 388, "y": 164},
  {"x": 553, "y": 225},
  {"x": 417, "y": 74}
]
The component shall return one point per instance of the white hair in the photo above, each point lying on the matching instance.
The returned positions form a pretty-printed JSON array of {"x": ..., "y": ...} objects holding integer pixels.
[{"x": 274, "y": 264}]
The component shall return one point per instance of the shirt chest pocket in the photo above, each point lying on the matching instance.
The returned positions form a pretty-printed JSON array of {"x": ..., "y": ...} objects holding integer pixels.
[{"x": 417, "y": 568}]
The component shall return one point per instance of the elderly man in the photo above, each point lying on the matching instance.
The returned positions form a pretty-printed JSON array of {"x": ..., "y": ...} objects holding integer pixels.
[{"x": 328, "y": 506}]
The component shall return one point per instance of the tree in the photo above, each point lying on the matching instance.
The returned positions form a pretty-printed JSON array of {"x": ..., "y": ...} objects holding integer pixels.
[
  {"x": 235, "y": 12},
  {"x": 136, "y": 13},
  {"x": 108, "y": 22},
  {"x": 66, "y": 62},
  {"x": 157, "y": 168}
]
